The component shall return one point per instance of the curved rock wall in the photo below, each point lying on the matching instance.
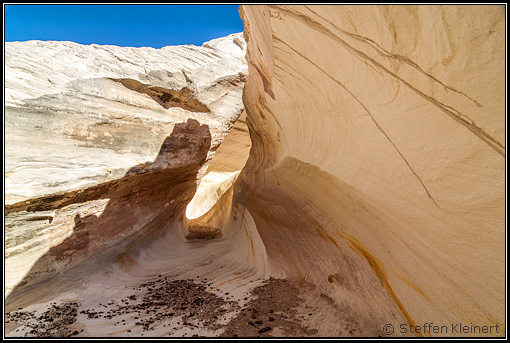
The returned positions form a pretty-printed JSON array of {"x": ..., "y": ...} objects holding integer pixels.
[
  {"x": 377, "y": 170},
  {"x": 93, "y": 131}
]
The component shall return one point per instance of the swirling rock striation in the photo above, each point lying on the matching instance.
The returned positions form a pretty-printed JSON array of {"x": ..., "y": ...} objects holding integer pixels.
[{"x": 377, "y": 168}]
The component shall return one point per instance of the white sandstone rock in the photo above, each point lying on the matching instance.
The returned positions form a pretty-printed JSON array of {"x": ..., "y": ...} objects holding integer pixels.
[{"x": 77, "y": 115}]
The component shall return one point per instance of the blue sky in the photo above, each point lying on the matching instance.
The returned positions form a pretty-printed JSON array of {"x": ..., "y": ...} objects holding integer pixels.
[{"x": 123, "y": 25}]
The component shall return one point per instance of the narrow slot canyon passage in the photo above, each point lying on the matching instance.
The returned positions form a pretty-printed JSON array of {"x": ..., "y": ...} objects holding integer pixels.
[{"x": 332, "y": 171}]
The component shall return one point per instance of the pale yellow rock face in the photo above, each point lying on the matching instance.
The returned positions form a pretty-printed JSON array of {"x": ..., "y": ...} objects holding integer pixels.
[
  {"x": 377, "y": 170},
  {"x": 367, "y": 169},
  {"x": 223, "y": 170}
]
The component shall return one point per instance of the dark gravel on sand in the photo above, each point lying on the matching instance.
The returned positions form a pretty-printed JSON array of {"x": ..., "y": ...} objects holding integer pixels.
[{"x": 273, "y": 307}]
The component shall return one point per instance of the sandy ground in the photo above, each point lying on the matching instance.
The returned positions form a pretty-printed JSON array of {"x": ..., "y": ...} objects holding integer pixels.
[
  {"x": 178, "y": 308},
  {"x": 178, "y": 287},
  {"x": 185, "y": 308}
]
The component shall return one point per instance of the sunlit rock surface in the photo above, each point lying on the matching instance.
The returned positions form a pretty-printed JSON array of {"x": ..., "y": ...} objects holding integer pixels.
[
  {"x": 223, "y": 170},
  {"x": 87, "y": 124},
  {"x": 78, "y": 115},
  {"x": 377, "y": 171},
  {"x": 370, "y": 191}
]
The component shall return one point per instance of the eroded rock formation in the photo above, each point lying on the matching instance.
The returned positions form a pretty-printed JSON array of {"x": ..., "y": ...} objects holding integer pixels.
[
  {"x": 78, "y": 115},
  {"x": 94, "y": 130},
  {"x": 374, "y": 185},
  {"x": 377, "y": 170}
]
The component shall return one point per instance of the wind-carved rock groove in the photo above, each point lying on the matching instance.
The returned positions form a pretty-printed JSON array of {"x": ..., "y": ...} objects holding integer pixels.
[{"x": 167, "y": 98}]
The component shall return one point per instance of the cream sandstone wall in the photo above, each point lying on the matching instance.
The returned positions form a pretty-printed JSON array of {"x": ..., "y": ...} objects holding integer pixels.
[{"x": 377, "y": 168}]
